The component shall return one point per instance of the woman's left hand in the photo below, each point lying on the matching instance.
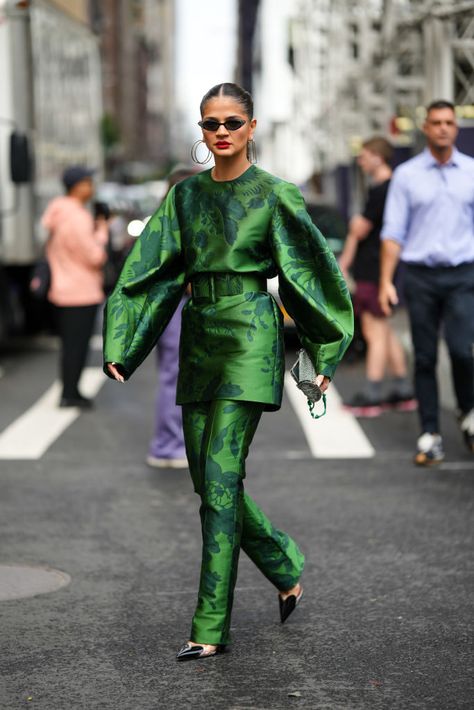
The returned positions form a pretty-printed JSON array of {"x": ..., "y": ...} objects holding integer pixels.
[{"x": 323, "y": 382}]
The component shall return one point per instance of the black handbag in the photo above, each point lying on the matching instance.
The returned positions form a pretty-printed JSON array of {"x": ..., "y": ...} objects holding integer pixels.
[{"x": 40, "y": 279}]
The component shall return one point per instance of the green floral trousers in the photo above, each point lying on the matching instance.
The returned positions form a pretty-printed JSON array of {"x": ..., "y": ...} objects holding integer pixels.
[{"x": 218, "y": 435}]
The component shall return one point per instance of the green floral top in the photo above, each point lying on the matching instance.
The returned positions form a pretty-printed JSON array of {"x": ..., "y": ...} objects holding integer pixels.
[{"x": 231, "y": 348}]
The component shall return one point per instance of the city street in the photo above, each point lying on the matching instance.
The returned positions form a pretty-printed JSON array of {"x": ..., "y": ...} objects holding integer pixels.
[
  {"x": 387, "y": 618},
  {"x": 155, "y": 148}
]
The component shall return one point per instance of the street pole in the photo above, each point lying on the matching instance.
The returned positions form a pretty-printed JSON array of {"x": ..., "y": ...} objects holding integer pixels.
[{"x": 439, "y": 72}]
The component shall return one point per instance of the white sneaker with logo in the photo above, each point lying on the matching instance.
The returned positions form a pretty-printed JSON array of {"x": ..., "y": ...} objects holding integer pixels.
[
  {"x": 429, "y": 450},
  {"x": 467, "y": 427}
]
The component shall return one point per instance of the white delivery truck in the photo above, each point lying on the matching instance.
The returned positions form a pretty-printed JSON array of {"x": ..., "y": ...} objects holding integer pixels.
[{"x": 50, "y": 110}]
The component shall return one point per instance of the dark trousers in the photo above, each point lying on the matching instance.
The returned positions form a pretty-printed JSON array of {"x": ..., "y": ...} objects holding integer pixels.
[
  {"x": 435, "y": 296},
  {"x": 75, "y": 326}
]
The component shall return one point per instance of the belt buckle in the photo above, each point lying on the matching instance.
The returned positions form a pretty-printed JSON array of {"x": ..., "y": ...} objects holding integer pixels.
[
  {"x": 199, "y": 288},
  {"x": 212, "y": 288}
]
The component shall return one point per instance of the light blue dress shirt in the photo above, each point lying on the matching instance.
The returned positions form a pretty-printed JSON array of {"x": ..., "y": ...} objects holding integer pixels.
[{"x": 430, "y": 210}]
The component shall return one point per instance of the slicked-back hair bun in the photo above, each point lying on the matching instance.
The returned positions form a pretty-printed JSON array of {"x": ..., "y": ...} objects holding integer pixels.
[{"x": 235, "y": 91}]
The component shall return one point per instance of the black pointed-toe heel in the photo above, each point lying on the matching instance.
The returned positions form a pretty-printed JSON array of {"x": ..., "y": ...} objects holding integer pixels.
[
  {"x": 288, "y": 605},
  {"x": 193, "y": 653}
]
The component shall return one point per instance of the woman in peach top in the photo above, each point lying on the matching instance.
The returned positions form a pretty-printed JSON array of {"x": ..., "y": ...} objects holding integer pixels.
[{"x": 76, "y": 252}]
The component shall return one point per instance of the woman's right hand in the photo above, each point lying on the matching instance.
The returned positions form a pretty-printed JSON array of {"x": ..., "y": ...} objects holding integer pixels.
[
  {"x": 323, "y": 382},
  {"x": 112, "y": 368}
]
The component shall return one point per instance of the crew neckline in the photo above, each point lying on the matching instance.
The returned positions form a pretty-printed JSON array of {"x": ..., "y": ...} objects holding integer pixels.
[{"x": 233, "y": 180}]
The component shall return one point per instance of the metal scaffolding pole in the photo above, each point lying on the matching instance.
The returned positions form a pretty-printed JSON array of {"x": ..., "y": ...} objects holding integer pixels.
[
  {"x": 448, "y": 46},
  {"x": 372, "y": 62},
  {"x": 438, "y": 58}
]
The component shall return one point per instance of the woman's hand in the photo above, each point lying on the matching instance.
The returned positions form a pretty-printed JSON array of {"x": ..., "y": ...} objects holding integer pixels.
[
  {"x": 112, "y": 368},
  {"x": 323, "y": 382}
]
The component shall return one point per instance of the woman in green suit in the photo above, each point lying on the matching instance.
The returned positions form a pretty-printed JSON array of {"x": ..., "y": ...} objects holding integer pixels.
[{"x": 225, "y": 231}]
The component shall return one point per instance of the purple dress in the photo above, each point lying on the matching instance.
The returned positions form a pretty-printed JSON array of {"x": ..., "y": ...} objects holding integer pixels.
[{"x": 168, "y": 441}]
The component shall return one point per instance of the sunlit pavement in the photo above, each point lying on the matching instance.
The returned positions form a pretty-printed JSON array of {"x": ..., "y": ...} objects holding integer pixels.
[{"x": 387, "y": 617}]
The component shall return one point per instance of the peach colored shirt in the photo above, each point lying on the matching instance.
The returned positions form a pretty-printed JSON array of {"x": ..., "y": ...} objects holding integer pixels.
[{"x": 76, "y": 253}]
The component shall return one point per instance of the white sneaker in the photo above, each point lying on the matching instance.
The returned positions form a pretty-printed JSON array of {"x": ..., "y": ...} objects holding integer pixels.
[
  {"x": 429, "y": 450},
  {"x": 155, "y": 462},
  {"x": 467, "y": 427}
]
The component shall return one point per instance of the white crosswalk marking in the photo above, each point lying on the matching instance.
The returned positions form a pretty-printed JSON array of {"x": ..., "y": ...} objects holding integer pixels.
[
  {"x": 95, "y": 343},
  {"x": 338, "y": 435},
  {"x": 29, "y": 436}
]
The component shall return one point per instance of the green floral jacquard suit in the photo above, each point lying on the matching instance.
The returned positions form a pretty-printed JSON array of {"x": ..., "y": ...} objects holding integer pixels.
[
  {"x": 218, "y": 435},
  {"x": 221, "y": 237}
]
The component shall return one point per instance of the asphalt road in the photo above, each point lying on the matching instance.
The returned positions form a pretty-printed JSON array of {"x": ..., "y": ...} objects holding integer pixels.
[{"x": 387, "y": 620}]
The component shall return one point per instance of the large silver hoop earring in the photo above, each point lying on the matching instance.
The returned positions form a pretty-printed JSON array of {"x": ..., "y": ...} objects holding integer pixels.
[
  {"x": 194, "y": 154},
  {"x": 252, "y": 151}
]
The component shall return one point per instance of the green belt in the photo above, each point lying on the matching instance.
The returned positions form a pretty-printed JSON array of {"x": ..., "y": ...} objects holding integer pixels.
[{"x": 209, "y": 287}]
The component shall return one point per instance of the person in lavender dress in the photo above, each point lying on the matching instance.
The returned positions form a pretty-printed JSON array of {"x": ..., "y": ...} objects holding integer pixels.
[{"x": 166, "y": 448}]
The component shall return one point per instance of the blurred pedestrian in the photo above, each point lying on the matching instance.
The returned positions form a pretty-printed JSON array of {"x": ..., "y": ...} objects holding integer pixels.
[
  {"x": 167, "y": 449},
  {"x": 76, "y": 252},
  {"x": 429, "y": 224},
  {"x": 226, "y": 230},
  {"x": 361, "y": 255}
]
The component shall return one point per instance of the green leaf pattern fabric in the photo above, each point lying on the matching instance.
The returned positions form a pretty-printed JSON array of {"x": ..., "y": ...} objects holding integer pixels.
[
  {"x": 218, "y": 435},
  {"x": 233, "y": 348},
  {"x": 231, "y": 351},
  {"x": 147, "y": 293}
]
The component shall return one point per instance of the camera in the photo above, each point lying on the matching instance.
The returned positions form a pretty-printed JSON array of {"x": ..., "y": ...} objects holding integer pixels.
[{"x": 101, "y": 209}]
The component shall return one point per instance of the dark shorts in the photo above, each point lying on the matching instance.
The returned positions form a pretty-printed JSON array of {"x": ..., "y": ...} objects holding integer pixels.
[{"x": 366, "y": 299}]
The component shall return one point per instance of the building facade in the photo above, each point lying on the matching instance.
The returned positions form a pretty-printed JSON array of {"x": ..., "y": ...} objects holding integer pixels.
[
  {"x": 247, "y": 15},
  {"x": 137, "y": 50},
  {"x": 351, "y": 68},
  {"x": 287, "y": 92},
  {"x": 77, "y": 9}
]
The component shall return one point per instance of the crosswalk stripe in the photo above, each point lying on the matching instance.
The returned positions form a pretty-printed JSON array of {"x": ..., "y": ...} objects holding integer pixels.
[
  {"x": 96, "y": 343},
  {"x": 30, "y": 436},
  {"x": 338, "y": 435}
]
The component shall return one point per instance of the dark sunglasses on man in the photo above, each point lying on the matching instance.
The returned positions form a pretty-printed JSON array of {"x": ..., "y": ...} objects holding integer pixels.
[{"x": 232, "y": 124}]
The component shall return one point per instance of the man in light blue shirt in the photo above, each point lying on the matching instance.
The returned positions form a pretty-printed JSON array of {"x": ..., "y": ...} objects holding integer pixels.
[{"x": 429, "y": 225}]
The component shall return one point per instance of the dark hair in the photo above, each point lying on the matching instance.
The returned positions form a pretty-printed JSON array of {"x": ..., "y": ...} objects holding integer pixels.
[
  {"x": 235, "y": 91},
  {"x": 379, "y": 146},
  {"x": 439, "y": 103}
]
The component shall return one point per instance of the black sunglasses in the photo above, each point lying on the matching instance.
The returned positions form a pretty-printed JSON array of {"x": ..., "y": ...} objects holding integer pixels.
[{"x": 232, "y": 124}]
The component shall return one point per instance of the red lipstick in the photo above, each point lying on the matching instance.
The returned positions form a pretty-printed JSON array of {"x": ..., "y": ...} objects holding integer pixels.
[{"x": 222, "y": 144}]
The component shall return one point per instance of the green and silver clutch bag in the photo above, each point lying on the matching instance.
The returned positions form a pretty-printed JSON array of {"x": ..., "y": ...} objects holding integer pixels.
[{"x": 304, "y": 375}]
